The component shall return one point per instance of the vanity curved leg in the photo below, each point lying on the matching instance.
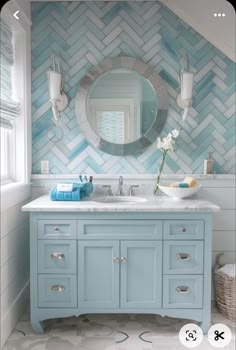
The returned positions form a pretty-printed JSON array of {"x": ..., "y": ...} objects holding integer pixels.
[
  {"x": 205, "y": 324},
  {"x": 38, "y": 326}
]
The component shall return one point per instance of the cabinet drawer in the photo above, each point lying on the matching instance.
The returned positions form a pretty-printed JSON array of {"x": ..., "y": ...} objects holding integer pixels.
[
  {"x": 184, "y": 229},
  {"x": 119, "y": 229},
  {"x": 183, "y": 257},
  {"x": 57, "y": 291},
  {"x": 57, "y": 256},
  {"x": 182, "y": 292},
  {"x": 56, "y": 229}
]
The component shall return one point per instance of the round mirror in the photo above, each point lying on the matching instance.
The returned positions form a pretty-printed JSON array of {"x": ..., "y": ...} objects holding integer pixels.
[{"x": 121, "y": 105}]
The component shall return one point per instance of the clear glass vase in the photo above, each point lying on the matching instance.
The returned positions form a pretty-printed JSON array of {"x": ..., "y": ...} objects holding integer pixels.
[{"x": 160, "y": 170}]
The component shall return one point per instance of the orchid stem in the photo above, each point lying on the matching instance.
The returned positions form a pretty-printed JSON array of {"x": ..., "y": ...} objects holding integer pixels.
[{"x": 160, "y": 171}]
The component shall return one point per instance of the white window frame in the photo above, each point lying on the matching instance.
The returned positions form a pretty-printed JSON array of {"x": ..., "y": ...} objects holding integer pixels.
[
  {"x": 20, "y": 143},
  {"x": 10, "y": 161}
]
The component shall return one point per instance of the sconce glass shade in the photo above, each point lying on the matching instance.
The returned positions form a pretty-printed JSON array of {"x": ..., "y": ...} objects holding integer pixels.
[
  {"x": 57, "y": 97},
  {"x": 54, "y": 85},
  {"x": 186, "y": 88}
]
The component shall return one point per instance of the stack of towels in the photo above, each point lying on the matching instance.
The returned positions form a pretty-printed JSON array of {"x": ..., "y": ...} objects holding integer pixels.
[
  {"x": 71, "y": 191},
  {"x": 187, "y": 182},
  {"x": 229, "y": 270}
]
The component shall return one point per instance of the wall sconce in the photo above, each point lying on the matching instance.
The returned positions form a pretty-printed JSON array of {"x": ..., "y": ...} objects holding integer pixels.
[
  {"x": 57, "y": 97},
  {"x": 184, "y": 99}
]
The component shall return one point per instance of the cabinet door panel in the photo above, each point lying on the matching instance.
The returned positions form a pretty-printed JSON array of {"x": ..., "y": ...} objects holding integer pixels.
[
  {"x": 98, "y": 279},
  {"x": 141, "y": 274}
]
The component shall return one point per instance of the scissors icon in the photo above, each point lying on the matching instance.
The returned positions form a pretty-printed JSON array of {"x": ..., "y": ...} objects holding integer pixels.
[{"x": 219, "y": 335}]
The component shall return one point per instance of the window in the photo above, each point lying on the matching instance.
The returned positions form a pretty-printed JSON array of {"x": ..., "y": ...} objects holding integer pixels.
[
  {"x": 9, "y": 107},
  {"x": 114, "y": 119}
]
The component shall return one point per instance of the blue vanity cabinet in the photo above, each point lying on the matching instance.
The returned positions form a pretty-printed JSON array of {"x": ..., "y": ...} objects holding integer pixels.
[{"x": 120, "y": 262}]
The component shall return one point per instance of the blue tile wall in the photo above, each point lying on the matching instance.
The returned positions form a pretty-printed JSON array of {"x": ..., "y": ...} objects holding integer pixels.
[{"x": 84, "y": 34}]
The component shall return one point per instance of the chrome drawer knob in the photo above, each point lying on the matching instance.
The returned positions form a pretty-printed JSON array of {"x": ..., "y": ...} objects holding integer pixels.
[
  {"x": 123, "y": 259},
  {"x": 56, "y": 228},
  {"x": 116, "y": 259},
  {"x": 182, "y": 290},
  {"x": 183, "y": 256},
  {"x": 58, "y": 256},
  {"x": 58, "y": 288},
  {"x": 184, "y": 229}
]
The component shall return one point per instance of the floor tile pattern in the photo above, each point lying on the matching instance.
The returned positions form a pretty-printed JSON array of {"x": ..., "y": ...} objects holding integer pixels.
[{"x": 108, "y": 332}]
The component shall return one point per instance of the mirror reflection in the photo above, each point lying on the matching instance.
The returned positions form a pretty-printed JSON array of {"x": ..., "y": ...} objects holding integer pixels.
[{"x": 121, "y": 106}]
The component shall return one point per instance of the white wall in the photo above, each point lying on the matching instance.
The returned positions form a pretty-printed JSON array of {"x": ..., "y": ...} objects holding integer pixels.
[
  {"x": 220, "y": 31},
  {"x": 14, "y": 266}
]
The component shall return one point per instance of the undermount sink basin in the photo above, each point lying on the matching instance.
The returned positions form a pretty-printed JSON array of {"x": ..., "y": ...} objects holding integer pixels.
[{"x": 119, "y": 199}]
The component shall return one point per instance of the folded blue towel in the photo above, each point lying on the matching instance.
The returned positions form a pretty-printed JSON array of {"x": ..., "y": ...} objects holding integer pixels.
[{"x": 79, "y": 191}]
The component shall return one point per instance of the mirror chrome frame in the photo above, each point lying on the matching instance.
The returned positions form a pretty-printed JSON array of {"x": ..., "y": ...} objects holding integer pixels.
[{"x": 146, "y": 139}]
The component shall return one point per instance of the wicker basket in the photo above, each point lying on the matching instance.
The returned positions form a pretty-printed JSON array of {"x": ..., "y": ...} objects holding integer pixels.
[{"x": 225, "y": 289}]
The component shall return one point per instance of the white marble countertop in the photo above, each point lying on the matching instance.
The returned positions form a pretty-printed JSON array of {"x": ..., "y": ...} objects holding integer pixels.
[{"x": 152, "y": 204}]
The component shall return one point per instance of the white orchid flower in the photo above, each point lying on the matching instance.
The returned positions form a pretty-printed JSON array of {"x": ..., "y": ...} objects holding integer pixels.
[
  {"x": 167, "y": 143},
  {"x": 175, "y": 133}
]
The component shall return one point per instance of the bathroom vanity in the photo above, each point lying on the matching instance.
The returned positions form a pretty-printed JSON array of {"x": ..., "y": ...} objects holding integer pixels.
[{"x": 139, "y": 257}]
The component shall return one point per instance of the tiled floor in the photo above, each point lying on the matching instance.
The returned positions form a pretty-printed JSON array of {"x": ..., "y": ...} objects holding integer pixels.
[{"x": 108, "y": 332}]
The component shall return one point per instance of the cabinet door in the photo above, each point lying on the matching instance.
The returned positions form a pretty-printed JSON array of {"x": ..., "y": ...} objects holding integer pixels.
[
  {"x": 98, "y": 274},
  {"x": 141, "y": 274}
]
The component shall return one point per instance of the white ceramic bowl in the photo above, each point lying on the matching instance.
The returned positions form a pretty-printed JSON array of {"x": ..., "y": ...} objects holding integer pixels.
[{"x": 178, "y": 192}]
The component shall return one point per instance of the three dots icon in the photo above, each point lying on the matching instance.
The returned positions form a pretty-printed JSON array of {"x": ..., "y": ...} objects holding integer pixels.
[{"x": 219, "y": 14}]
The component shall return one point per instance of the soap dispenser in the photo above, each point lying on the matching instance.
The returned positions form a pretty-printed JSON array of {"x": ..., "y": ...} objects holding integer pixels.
[{"x": 208, "y": 165}]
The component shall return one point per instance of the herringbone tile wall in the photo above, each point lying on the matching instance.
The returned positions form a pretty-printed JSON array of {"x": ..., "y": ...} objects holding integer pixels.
[{"x": 84, "y": 34}]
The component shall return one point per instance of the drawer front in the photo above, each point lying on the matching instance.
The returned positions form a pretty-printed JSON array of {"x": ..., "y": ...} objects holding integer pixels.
[
  {"x": 57, "y": 291},
  {"x": 184, "y": 229},
  {"x": 119, "y": 229},
  {"x": 182, "y": 292},
  {"x": 183, "y": 257},
  {"x": 57, "y": 256},
  {"x": 57, "y": 229}
]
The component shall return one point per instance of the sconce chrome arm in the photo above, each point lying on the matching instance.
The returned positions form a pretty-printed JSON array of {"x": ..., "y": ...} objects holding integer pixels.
[
  {"x": 186, "y": 111},
  {"x": 54, "y": 109}
]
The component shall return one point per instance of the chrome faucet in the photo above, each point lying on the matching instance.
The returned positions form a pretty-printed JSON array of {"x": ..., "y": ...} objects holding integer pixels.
[{"x": 120, "y": 187}]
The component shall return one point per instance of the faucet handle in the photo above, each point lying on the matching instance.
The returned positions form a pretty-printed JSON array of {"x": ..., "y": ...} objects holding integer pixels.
[
  {"x": 109, "y": 190},
  {"x": 131, "y": 190}
]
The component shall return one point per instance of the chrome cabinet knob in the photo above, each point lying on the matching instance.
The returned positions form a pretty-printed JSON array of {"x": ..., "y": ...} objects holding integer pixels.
[
  {"x": 58, "y": 256},
  {"x": 183, "y": 256},
  {"x": 56, "y": 228},
  {"x": 58, "y": 288},
  {"x": 184, "y": 229},
  {"x": 123, "y": 259},
  {"x": 116, "y": 259},
  {"x": 182, "y": 290}
]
